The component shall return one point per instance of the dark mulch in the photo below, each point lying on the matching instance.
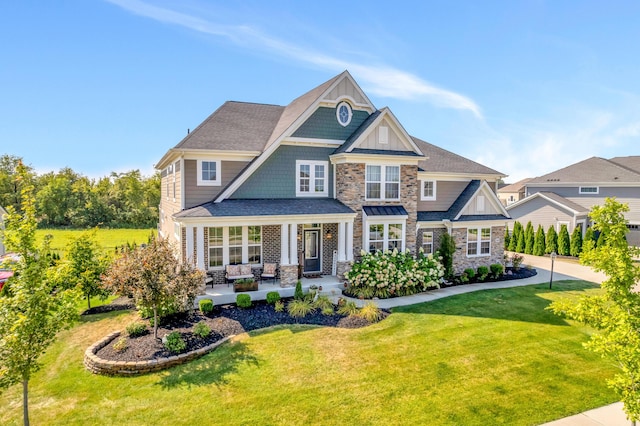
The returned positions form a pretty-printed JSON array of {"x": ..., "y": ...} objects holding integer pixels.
[
  {"x": 119, "y": 304},
  {"x": 226, "y": 320}
]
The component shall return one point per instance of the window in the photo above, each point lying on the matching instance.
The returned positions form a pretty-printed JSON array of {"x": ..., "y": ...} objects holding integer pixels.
[
  {"x": 255, "y": 244},
  {"x": 478, "y": 242},
  {"x": 386, "y": 236},
  {"x": 427, "y": 242},
  {"x": 312, "y": 178},
  {"x": 344, "y": 114},
  {"x": 235, "y": 244},
  {"x": 209, "y": 173},
  {"x": 383, "y": 182},
  {"x": 428, "y": 190},
  {"x": 589, "y": 190},
  {"x": 215, "y": 247}
]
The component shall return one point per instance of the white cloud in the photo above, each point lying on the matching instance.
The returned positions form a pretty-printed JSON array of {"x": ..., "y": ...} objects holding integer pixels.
[{"x": 381, "y": 80}]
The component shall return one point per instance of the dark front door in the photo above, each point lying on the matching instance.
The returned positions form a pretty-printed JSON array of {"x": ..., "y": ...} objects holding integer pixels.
[{"x": 312, "y": 250}]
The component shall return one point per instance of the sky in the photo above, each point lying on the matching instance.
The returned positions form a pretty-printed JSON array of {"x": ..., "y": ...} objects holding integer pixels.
[{"x": 524, "y": 87}]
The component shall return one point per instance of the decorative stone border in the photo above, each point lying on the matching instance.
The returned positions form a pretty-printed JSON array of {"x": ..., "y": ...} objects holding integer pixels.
[{"x": 121, "y": 368}]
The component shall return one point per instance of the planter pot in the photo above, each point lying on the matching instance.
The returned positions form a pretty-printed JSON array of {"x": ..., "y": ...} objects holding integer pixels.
[{"x": 239, "y": 287}]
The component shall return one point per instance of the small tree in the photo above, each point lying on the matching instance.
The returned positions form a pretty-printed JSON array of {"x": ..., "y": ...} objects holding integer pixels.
[
  {"x": 616, "y": 313},
  {"x": 564, "y": 243},
  {"x": 521, "y": 241},
  {"x": 529, "y": 238},
  {"x": 540, "y": 242},
  {"x": 31, "y": 313},
  {"x": 576, "y": 242},
  {"x": 446, "y": 250},
  {"x": 507, "y": 238},
  {"x": 513, "y": 243},
  {"x": 589, "y": 235},
  {"x": 552, "y": 240},
  {"x": 154, "y": 277}
]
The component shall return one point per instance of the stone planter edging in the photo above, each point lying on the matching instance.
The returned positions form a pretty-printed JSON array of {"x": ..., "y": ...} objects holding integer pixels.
[{"x": 105, "y": 367}]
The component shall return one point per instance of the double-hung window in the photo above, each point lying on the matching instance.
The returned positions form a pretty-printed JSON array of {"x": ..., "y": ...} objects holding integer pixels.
[
  {"x": 209, "y": 173},
  {"x": 235, "y": 245},
  {"x": 385, "y": 236},
  {"x": 382, "y": 182},
  {"x": 427, "y": 242},
  {"x": 478, "y": 241},
  {"x": 312, "y": 178},
  {"x": 216, "y": 246},
  {"x": 255, "y": 244},
  {"x": 428, "y": 190}
]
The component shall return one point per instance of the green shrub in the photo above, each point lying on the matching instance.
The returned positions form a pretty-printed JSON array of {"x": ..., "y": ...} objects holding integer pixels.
[
  {"x": 327, "y": 310},
  {"x": 521, "y": 241},
  {"x": 370, "y": 312},
  {"x": 298, "y": 294},
  {"x": 463, "y": 278},
  {"x": 471, "y": 273},
  {"x": 324, "y": 304},
  {"x": 243, "y": 301},
  {"x": 513, "y": 241},
  {"x": 446, "y": 251},
  {"x": 564, "y": 243},
  {"x": 165, "y": 309},
  {"x": 300, "y": 308},
  {"x": 540, "y": 242},
  {"x": 279, "y": 306},
  {"x": 174, "y": 342},
  {"x": 137, "y": 329},
  {"x": 201, "y": 329},
  {"x": 121, "y": 345},
  {"x": 576, "y": 242},
  {"x": 483, "y": 272},
  {"x": 496, "y": 269},
  {"x": 516, "y": 261},
  {"x": 273, "y": 297},
  {"x": 348, "y": 308},
  {"x": 206, "y": 306},
  {"x": 552, "y": 240},
  {"x": 507, "y": 238},
  {"x": 529, "y": 238}
]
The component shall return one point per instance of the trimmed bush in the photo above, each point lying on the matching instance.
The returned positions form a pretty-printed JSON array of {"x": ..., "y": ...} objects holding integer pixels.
[
  {"x": 174, "y": 342},
  {"x": 370, "y": 312},
  {"x": 243, "y": 301},
  {"x": 540, "y": 242},
  {"x": 513, "y": 243},
  {"x": 446, "y": 251},
  {"x": 521, "y": 242},
  {"x": 564, "y": 243},
  {"x": 470, "y": 273},
  {"x": 529, "y": 238},
  {"x": 206, "y": 306},
  {"x": 496, "y": 270},
  {"x": 298, "y": 294},
  {"x": 137, "y": 329},
  {"x": 576, "y": 242},
  {"x": 483, "y": 272},
  {"x": 201, "y": 330},
  {"x": 273, "y": 297},
  {"x": 507, "y": 238},
  {"x": 552, "y": 240},
  {"x": 300, "y": 308}
]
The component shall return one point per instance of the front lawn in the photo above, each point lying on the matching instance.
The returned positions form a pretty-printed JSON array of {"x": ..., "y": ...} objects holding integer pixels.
[
  {"x": 108, "y": 239},
  {"x": 490, "y": 357}
]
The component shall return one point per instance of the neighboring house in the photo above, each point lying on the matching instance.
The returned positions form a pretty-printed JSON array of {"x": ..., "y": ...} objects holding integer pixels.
[
  {"x": 3, "y": 212},
  {"x": 313, "y": 183},
  {"x": 512, "y": 193},
  {"x": 567, "y": 195}
]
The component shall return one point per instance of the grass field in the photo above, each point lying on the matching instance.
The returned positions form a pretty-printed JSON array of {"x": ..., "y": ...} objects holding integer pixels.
[
  {"x": 490, "y": 357},
  {"x": 108, "y": 239}
]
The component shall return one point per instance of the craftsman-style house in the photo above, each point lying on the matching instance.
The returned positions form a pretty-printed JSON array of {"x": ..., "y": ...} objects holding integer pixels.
[{"x": 312, "y": 184}]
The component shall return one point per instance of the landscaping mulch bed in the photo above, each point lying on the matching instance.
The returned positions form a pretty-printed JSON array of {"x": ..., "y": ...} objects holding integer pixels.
[
  {"x": 226, "y": 320},
  {"x": 119, "y": 304}
]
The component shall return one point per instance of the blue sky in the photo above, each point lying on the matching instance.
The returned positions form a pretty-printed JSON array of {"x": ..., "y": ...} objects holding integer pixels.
[{"x": 525, "y": 87}]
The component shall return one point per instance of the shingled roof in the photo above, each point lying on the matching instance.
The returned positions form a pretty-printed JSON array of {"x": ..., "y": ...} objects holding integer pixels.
[
  {"x": 442, "y": 161},
  {"x": 593, "y": 170}
]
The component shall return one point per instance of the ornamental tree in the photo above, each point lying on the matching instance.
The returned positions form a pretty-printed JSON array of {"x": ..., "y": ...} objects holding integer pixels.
[
  {"x": 540, "y": 242},
  {"x": 564, "y": 244},
  {"x": 552, "y": 240},
  {"x": 616, "y": 313},
  {"x": 576, "y": 242},
  {"x": 154, "y": 276},
  {"x": 31, "y": 312},
  {"x": 529, "y": 238}
]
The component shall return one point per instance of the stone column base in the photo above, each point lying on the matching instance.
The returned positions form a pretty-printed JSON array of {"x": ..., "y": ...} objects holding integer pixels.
[
  {"x": 288, "y": 275},
  {"x": 342, "y": 268}
]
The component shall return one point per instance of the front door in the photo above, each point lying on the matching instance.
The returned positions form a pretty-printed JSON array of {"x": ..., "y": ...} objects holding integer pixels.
[{"x": 312, "y": 250}]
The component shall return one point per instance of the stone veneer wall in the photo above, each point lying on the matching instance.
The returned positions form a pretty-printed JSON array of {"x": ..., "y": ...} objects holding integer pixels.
[
  {"x": 460, "y": 259},
  {"x": 98, "y": 365},
  {"x": 328, "y": 246},
  {"x": 350, "y": 190},
  {"x": 437, "y": 235}
]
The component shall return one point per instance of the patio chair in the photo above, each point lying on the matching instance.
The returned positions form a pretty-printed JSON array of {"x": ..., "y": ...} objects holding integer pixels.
[{"x": 269, "y": 270}]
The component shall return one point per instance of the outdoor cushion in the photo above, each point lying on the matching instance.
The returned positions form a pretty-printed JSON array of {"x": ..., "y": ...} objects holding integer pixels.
[
  {"x": 233, "y": 270},
  {"x": 245, "y": 270},
  {"x": 269, "y": 269}
]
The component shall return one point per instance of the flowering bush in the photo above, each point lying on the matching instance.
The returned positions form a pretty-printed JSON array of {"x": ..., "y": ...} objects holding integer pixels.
[{"x": 394, "y": 273}]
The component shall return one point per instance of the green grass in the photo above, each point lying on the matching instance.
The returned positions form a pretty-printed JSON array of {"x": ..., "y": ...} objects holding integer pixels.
[
  {"x": 108, "y": 239},
  {"x": 490, "y": 357}
]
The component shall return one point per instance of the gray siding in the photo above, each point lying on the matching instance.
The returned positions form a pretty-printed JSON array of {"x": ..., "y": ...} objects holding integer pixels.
[
  {"x": 345, "y": 87},
  {"x": 323, "y": 124},
  {"x": 394, "y": 142},
  {"x": 446, "y": 193},
  {"x": 276, "y": 177},
  {"x": 196, "y": 195},
  {"x": 541, "y": 212}
]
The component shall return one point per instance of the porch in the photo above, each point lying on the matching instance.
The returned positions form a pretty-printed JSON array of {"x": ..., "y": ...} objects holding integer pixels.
[{"x": 223, "y": 294}]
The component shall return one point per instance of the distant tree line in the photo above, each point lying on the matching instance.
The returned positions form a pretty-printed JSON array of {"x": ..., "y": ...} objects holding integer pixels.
[
  {"x": 526, "y": 240},
  {"x": 67, "y": 199}
]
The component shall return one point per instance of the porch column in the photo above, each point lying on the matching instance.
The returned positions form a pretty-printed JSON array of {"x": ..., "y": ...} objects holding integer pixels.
[
  {"x": 189, "y": 254},
  {"x": 284, "y": 244},
  {"x": 200, "y": 247},
  {"x": 342, "y": 241},
  {"x": 293, "y": 244},
  {"x": 349, "y": 236}
]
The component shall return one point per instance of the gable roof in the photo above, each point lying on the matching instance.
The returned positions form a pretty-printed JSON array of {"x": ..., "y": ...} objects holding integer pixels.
[
  {"x": 631, "y": 162},
  {"x": 440, "y": 160},
  {"x": 594, "y": 170},
  {"x": 514, "y": 187},
  {"x": 554, "y": 198}
]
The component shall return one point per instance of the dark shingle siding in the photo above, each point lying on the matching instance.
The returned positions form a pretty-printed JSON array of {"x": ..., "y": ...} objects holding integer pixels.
[{"x": 323, "y": 125}]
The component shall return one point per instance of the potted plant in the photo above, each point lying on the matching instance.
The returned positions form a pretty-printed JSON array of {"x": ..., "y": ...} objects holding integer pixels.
[{"x": 246, "y": 284}]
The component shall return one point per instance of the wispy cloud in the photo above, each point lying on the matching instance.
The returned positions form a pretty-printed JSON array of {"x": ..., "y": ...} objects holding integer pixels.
[{"x": 379, "y": 79}]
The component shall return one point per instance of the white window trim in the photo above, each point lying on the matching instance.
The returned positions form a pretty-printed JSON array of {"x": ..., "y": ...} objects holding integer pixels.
[
  {"x": 424, "y": 197},
  {"x": 385, "y": 222},
  {"x": 217, "y": 181},
  {"x": 209, "y": 247},
  {"x": 245, "y": 247},
  {"x": 559, "y": 225},
  {"x": 383, "y": 181},
  {"x": 312, "y": 178},
  {"x": 338, "y": 113},
  {"x": 582, "y": 192},
  {"x": 423, "y": 234},
  {"x": 479, "y": 242}
]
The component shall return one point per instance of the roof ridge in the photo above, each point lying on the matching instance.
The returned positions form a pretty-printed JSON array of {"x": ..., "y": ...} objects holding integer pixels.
[{"x": 622, "y": 166}]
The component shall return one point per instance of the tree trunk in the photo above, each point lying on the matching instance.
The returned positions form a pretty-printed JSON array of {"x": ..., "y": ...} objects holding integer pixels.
[
  {"x": 88, "y": 302},
  {"x": 155, "y": 321},
  {"x": 25, "y": 402}
]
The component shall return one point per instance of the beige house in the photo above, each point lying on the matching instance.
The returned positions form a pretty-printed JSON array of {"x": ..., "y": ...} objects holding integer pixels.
[
  {"x": 311, "y": 184},
  {"x": 512, "y": 193}
]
